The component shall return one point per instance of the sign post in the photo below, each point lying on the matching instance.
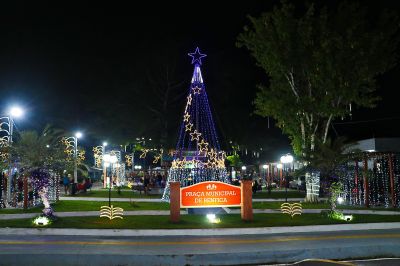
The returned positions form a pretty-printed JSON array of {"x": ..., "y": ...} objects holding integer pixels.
[
  {"x": 175, "y": 199},
  {"x": 211, "y": 194},
  {"x": 246, "y": 208}
]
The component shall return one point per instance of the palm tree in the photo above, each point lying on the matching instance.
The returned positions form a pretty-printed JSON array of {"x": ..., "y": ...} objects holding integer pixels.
[{"x": 37, "y": 155}]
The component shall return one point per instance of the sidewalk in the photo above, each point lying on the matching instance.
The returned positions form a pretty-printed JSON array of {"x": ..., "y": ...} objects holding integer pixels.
[
  {"x": 159, "y": 200},
  {"x": 183, "y": 212},
  {"x": 81, "y": 214}
]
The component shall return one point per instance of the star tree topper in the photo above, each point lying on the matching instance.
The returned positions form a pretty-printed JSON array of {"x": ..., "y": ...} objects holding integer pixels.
[{"x": 197, "y": 56}]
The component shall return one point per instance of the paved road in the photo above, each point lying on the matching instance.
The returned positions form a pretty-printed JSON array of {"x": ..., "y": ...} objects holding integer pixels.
[{"x": 191, "y": 250}]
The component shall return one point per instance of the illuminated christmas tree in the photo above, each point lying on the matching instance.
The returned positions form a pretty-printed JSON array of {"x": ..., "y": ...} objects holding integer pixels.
[{"x": 198, "y": 156}]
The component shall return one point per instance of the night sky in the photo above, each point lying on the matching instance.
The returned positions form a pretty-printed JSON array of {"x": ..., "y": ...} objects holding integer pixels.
[{"x": 96, "y": 67}]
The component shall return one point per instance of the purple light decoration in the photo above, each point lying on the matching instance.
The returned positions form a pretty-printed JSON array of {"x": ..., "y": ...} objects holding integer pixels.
[
  {"x": 39, "y": 179},
  {"x": 202, "y": 121},
  {"x": 197, "y": 56},
  {"x": 200, "y": 113}
]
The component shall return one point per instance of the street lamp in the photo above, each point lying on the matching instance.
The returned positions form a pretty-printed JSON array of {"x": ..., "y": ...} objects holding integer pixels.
[
  {"x": 72, "y": 142},
  {"x": 265, "y": 167},
  {"x": 76, "y": 137},
  {"x": 286, "y": 159},
  {"x": 103, "y": 152},
  {"x": 109, "y": 160}
]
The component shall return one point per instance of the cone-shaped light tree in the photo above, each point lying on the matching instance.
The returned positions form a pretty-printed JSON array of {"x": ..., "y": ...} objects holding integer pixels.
[{"x": 198, "y": 156}]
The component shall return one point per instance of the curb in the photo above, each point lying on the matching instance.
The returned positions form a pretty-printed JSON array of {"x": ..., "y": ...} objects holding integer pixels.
[
  {"x": 199, "y": 232},
  {"x": 183, "y": 212}
]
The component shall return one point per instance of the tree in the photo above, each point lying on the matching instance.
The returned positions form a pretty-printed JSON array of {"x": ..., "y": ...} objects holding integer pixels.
[
  {"x": 329, "y": 155},
  {"x": 321, "y": 63},
  {"x": 37, "y": 155},
  {"x": 166, "y": 92}
]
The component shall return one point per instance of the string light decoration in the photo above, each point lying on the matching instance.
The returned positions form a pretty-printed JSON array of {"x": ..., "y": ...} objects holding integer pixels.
[
  {"x": 292, "y": 209},
  {"x": 5, "y": 139},
  {"x": 198, "y": 156},
  {"x": 98, "y": 156},
  {"x": 4, "y": 144},
  {"x": 129, "y": 159},
  {"x": 352, "y": 174},
  {"x": 40, "y": 181},
  {"x": 69, "y": 149},
  {"x": 111, "y": 212},
  {"x": 158, "y": 156},
  {"x": 188, "y": 127},
  {"x": 2, "y": 203},
  {"x": 144, "y": 153}
]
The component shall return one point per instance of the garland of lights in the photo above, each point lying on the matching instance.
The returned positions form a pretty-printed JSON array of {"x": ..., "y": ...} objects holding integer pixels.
[
  {"x": 378, "y": 174},
  {"x": 69, "y": 149},
  {"x": 98, "y": 156},
  {"x": 129, "y": 159},
  {"x": 396, "y": 176},
  {"x": 2, "y": 204}
]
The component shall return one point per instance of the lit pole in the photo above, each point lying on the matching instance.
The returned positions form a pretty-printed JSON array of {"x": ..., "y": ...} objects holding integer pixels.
[
  {"x": 279, "y": 166},
  {"x": 75, "y": 138},
  {"x": 109, "y": 160},
  {"x": 103, "y": 152},
  {"x": 133, "y": 159},
  {"x": 16, "y": 112},
  {"x": 265, "y": 167},
  {"x": 286, "y": 159}
]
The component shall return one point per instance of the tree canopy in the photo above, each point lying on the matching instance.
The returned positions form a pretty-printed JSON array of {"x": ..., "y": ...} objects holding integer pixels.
[{"x": 321, "y": 62}]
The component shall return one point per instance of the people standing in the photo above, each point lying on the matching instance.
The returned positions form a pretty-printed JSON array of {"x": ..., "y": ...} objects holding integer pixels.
[
  {"x": 146, "y": 183},
  {"x": 66, "y": 184}
]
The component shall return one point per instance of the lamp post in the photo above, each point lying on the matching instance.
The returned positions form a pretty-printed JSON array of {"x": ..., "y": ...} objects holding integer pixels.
[
  {"x": 109, "y": 160},
  {"x": 265, "y": 167},
  {"x": 73, "y": 142},
  {"x": 286, "y": 159},
  {"x": 13, "y": 112},
  {"x": 103, "y": 147},
  {"x": 76, "y": 137},
  {"x": 279, "y": 166}
]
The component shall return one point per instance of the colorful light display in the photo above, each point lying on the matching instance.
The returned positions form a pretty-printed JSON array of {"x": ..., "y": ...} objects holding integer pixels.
[
  {"x": 198, "y": 156},
  {"x": 372, "y": 180}
]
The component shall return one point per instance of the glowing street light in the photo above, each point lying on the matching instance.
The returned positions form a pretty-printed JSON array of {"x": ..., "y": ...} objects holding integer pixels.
[
  {"x": 265, "y": 166},
  {"x": 286, "y": 159},
  {"x": 244, "y": 168},
  {"x": 78, "y": 135},
  {"x": 16, "y": 112}
]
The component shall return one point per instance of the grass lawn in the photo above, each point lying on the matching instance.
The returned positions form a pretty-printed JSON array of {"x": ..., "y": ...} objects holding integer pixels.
[
  {"x": 197, "y": 221},
  {"x": 81, "y": 205},
  {"x": 114, "y": 194},
  {"x": 279, "y": 194},
  {"x": 277, "y": 205}
]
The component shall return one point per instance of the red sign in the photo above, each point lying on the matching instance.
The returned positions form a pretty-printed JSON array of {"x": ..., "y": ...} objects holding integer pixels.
[{"x": 210, "y": 194}]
